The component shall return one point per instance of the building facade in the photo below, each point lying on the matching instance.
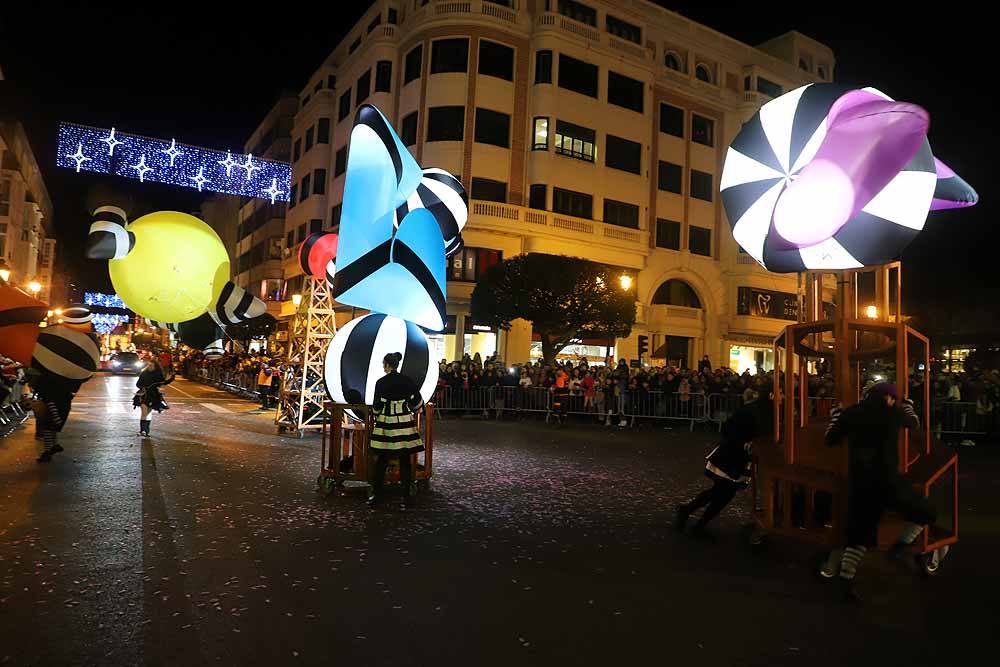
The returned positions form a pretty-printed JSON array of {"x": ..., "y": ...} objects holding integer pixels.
[
  {"x": 27, "y": 248},
  {"x": 585, "y": 128}
]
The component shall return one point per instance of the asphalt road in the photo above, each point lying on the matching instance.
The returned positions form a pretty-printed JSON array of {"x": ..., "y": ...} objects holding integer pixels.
[{"x": 535, "y": 545}]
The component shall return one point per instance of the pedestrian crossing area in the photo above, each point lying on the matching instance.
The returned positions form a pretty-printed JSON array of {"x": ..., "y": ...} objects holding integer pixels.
[{"x": 185, "y": 407}]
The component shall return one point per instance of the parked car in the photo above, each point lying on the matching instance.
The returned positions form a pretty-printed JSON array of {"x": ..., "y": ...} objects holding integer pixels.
[{"x": 127, "y": 363}]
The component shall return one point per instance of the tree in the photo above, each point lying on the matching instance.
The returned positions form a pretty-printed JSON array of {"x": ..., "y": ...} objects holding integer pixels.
[
  {"x": 248, "y": 330},
  {"x": 563, "y": 297}
]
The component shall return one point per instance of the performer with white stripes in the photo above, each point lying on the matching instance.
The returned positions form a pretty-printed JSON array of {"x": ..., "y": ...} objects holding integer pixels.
[
  {"x": 397, "y": 400},
  {"x": 872, "y": 431},
  {"x": 149, "y": 397}
]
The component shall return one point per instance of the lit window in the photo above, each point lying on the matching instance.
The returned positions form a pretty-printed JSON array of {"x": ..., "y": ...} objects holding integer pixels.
[{"x": 541, "y": 142}]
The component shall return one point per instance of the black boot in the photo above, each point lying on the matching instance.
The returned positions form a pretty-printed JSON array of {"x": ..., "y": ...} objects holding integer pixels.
[
  {"x": 144, "y": 427},
  {"x": 680, "y": 520}
]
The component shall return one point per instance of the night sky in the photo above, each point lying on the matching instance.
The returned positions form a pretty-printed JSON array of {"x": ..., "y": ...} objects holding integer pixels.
[{"x": 208, "y": 77}]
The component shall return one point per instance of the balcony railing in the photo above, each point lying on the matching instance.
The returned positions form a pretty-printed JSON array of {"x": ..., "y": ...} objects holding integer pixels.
[
  {"x": 550, "y": 19},
  {"x": 494, "y": 214}
]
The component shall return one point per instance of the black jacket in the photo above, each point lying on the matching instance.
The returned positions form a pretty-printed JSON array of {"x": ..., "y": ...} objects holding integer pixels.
[
  {"x": 872, "y": 431},
  {"x": 732, "y": 455},
  {"x": 395, "y": 387}
]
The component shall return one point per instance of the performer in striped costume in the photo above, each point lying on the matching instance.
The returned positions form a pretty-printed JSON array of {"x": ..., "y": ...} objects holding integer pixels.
[{"x": 397, "y": 400}]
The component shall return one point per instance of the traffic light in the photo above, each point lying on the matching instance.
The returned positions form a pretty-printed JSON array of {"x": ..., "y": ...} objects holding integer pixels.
[{"x": 643, "y": 345}]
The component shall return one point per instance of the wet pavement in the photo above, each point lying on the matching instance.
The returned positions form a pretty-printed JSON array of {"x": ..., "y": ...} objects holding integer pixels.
[{"x": 535, "y": 545}]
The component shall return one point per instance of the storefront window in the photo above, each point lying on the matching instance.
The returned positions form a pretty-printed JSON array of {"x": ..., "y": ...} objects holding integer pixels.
[{"x": 745, "y": 357}]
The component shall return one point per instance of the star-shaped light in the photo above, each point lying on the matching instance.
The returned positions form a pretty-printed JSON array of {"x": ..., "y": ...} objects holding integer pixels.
[
  {"x": 111, "y": 142},
  {"x": 172, "y": 152},
  {"x": 142, "y": 168},
  {"x": 228, "y": 163},
  {"x": 273, "y": 191},
  {"x": 250, "y": 166},
  {"x": 200, "y": 178},
  {"x": 79, "y": 157}
]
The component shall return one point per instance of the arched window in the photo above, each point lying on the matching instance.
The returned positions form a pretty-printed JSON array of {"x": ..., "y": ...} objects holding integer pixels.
[
  {"x": 703, "y": 73},
  {"x": 673, "y": 61},
  {"x": 803, "y": 64},
  {"x": 676, "y": 293}
]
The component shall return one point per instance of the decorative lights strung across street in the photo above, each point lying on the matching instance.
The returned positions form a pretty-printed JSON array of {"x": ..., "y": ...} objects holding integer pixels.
[
  {"x": 104, "y": 300},
  {"x": 108, "y": 322},
  {"x": 158, "y": 160}
]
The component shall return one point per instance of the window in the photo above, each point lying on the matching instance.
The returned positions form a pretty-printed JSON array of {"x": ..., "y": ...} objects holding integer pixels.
[
  {"x": 364, "y": 87},
  {"x": 670, "y": 176},
  {"x": 293, "y": 196},
  {"x": 672, "y": 120},
  {"x": 703, "y": 73},
  {"x": 290, "y": 239},
  {"x": 700, "y": 241},
  {"x": 543, "y": 67},
  {"x": 319, "y": 182},
  {"x": 702, "y": 130},
  {"x": 541, "y": 134},
  {"x": 383, "y": 76},
  {"x": 323, "y": 131},
  {"x": 803, "y": 64},
  {"x": 537, "y": 194},
  {"x": 392, "y": 17},
  {"x": 575, "y": 141},
  {"x": 304, "y": 190},
  {"x": 376, "y": 22},
  {"x": 676, "y": 293},
  {"x": 668, "y": 234},
  {"x": 297, "y": 150},
  {"x": 301, "y": 236},
  {"x": 408, "y": 129},
  {"x": 623, "y": 29},
  {"x": 305, "y": 101},
  {"x": 411, "y": 69},
  {"x": 621, "y": 214},
  {"x": 309, "y": 138},
  {"x": 470, "y": 264},
  {"x": 578, "y": 76},
  {"x": 340, "y": 162},
  {"x": 701, "y": 185},
  {"x": 624, "y": 91},
  {"x": 335, "y": 216},
  {"x": 492, "y": 127},
  {"x": 315, "y": 225},
  {"x": 673, "y": 61},
  {"x": 578, "y": 11},
  {"x": 573, "y": 203},
  {"x": 445, "y": 123},
  {"x": 821, "y": 72},
  {"x": 354, "y": 45},
  {"x": 623, "y": 154},
  {"x": 345, "y": 106},
  {"x": 331, "y": 81},
  {"x": 318, "y": 86},
  {"x": 496, "y": 60},
  {"x": 769, "y": 88},
  {"x": 484, "y": 188},
  {"x": 449, "y": 55}
]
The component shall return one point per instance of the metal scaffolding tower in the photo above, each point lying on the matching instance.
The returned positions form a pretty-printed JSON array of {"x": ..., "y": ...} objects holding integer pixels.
[{"x": 303, "y": 391}]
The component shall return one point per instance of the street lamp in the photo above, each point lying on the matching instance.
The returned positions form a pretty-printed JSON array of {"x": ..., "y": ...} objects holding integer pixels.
[
  {"x": 34, "y": 287},
  {"x": 871, "y": 312},
  {"x": 4, "y": 271},
  {"x": 626, "y": 281},
  {"x": 296, "y": 299}
]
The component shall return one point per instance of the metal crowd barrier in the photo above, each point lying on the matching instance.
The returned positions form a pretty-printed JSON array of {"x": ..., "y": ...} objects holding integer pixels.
[
  {"x": 241, "y": 383},
  {"x": 960, "y": 418}
]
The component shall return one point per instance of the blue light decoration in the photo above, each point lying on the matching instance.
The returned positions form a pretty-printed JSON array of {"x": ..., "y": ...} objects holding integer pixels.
[
  {"x": 104, "y": 151},
  {"x": 103, "y": 300},
  {"x": 108, "y": 322}
]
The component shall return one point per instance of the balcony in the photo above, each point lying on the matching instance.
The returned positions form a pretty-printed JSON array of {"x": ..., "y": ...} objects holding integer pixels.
[
  {"x": 550, "y": 20},
  {"x": 508, "y": 219},
  {"x": 473, "y": 9}
]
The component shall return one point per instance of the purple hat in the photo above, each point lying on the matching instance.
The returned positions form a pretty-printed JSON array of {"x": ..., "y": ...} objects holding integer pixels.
[{"x": 884, "y": 389}]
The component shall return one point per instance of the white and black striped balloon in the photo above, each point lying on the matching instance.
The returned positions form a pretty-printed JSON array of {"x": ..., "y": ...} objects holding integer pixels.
[
  {"x": 236, "y": 305},
  {"x": 77, "y": 315},
  {"x": 443, "y": 195},
  {"x": 354, "y": 358},
  {"x": 66, "y": 353}
]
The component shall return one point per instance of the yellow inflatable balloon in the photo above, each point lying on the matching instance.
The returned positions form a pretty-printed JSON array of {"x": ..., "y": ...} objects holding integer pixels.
[{"x": 176, "y": 269}]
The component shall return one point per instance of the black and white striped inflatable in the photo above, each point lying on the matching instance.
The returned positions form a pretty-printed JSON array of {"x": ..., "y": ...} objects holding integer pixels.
[
  {"x": 236, "y": 305},
  {"x": 77, "y": 315},
  {"x": 780, "y": 141},
  {"x": 108, "y": 238},
  {"x": 443, "y": 195},
  {"x": 66, "y": 353},
  {"x": 353, "y": 361},
  {"x": 202, "y": 333}
]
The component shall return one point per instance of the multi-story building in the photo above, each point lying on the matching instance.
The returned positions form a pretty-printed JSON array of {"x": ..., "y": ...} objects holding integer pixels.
[
  {"x": 26, "y": 247},
  {"x": 586, "y": 128},
  {"x": 259, "y": 237}
]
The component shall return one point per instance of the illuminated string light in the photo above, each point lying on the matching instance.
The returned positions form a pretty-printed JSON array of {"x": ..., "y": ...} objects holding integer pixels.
[
  {"x": 167, "y": 161},
  {"x": 112, "y": 142},
  {"x": 108, "y": 322},
  {"x": 103, "y": 300}
]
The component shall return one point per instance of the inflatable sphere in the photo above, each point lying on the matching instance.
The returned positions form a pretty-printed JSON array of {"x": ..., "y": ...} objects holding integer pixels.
[
  {"x": 317, "y": 254},
  {"x": 19, "y": 318},
  {"x": 176, "y": 269},
  {"x": 443, "y": 195},
  {"x": 354, "y": 358},
  {"x": 66, "y": 353},
  {"x": 77, "y": 317}
]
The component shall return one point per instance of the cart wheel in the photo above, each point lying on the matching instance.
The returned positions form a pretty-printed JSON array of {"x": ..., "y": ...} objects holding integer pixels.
[
  {"x": 929, "y": 566},
  {"x": 329, "y": 484}
]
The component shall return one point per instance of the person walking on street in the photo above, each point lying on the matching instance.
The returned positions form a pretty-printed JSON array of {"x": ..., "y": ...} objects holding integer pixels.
[
  {"x": 397, "y": 401},
  {"x": 265, "y": 383},
  {"x": 149, "y": 398},
  {"x": 871, "y": 429}
]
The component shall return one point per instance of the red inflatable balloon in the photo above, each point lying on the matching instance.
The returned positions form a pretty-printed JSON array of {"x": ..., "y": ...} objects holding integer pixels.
[{"x": 316, "y": 252}]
